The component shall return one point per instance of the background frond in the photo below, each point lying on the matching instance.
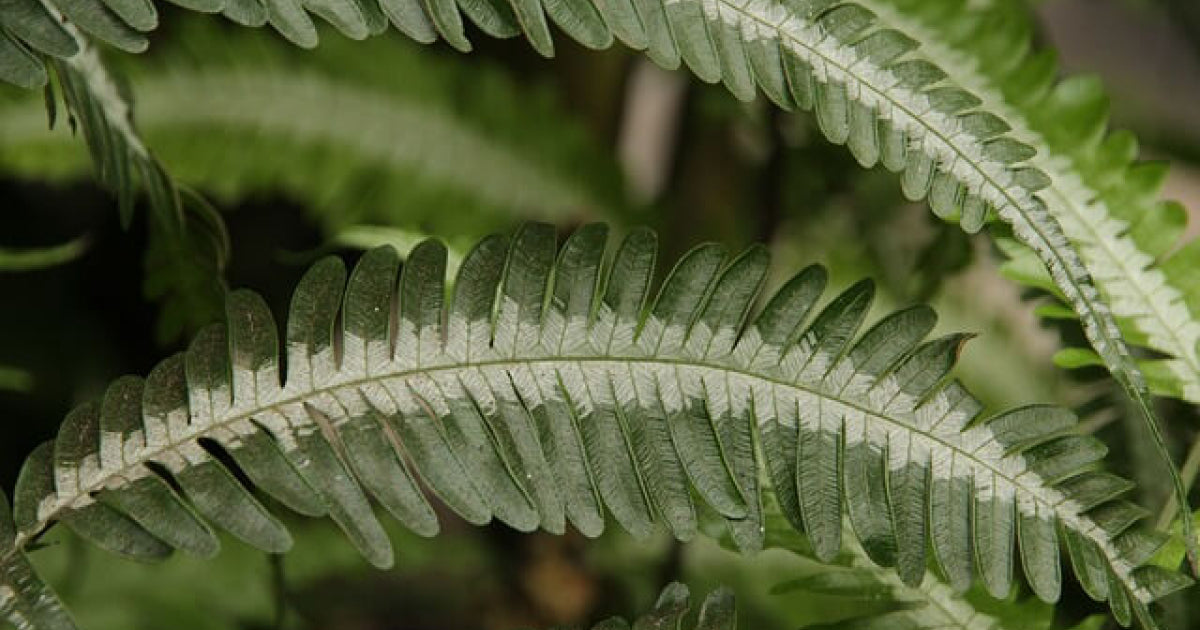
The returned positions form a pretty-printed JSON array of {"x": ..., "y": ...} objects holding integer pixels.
[
  {"x": 188, "y": 245},
  {"x": 405, "y": 150}
]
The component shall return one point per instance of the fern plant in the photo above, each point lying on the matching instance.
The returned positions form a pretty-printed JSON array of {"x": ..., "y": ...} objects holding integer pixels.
[
  {"x": 883, "y": 77},
  {"x": 549, "y": 388},
  {"x": 241, "y": 115},
  {"x": 861, "y": 77},
  {"x": 883, "y": 600},
  {"x": 189, "y": 245}
]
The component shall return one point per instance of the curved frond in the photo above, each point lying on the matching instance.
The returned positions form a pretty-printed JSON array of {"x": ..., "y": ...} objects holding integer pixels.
[
  {"x": 188, "y": 245},
  {"x": 249, "y": 117},
  {"x": 1105, "y": 200},
  {"x": 867, "y": 81},
  {"x": 551, "y": 386},
  {"x": 1088, "y": 179},
  {"x": 25, "y": 601},
  {"x": 877, "y": 599}
]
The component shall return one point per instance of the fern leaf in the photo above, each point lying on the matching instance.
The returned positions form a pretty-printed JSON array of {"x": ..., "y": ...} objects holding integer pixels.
[
  {"x": 718, "y": 612},
  {"x": 188, "y": 244},
  {"x": 930, "y": 603},
  {"x": 549, "y": 387},
  {"x": 1105, "y": 201},
  {"x": 25, "y": 601},
  {"x": 247, "y": 118},
  {"x": 1088, "y": 180},
  {"x": 860, "y": 76}
]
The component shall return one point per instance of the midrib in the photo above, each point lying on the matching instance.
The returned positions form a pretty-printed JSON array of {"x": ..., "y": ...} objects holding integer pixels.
[
  {"x": 627, "y": 362},
  {"x": 898, "y": 102},
  {"x": 946, "y": 58}
]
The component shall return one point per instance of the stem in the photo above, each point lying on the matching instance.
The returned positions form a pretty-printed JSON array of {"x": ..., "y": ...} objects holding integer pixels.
[{"x": 1187, "y": 473}]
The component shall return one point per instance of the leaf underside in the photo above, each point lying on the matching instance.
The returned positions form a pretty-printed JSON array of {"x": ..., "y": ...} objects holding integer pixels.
[
  {"x": 549, "y": 388},
  {"x": 867, "y": 84}
]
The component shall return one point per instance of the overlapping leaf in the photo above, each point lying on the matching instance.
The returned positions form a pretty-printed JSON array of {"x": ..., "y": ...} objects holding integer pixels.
[
  {"x": 718, "y": 612},
  {"x": 550, "y": 388},
  {"x": 188, "y": 245},
  {"x": 860, "y": 76},
  {"x": 242, "y": 114},
  {"x": 25, "y": 601},
  {"x": 1090, "y": 180}
]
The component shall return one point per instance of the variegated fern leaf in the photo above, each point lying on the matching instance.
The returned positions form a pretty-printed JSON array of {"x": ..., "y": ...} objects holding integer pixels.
[
  {"x": 877, "y": 599},
  {"x": 1105, "y": 200},
  {"x": 860, "y": 66},
  {"x": 549, "y": 388}
]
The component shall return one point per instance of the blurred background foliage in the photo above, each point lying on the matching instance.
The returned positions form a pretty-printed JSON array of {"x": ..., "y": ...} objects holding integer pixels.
[{"x": 359, "y": 143}]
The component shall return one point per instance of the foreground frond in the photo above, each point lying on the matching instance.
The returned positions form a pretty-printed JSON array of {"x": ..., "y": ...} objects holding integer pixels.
[
  {"x": 867, "y": 83},
  {"x": 549, "y": 387},
  {"x": 1105, "y": 200},
  {"x": 879, "y": 600},
  {"x": 1089, "y": 182}
]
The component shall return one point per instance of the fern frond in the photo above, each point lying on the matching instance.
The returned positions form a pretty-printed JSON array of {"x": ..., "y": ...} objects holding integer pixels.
[
  {"x": 718, "y": 612},
  {"x": 188, "y": 244},
  {"x": 25, "y": 601},
  {"x": 549, "y": 387},
  {"x": 1087, "y": 178},
  {"x": 1104, "y": 199},
  {"x": 867, "y": 82},
  {"x": 888, "y": 602},
  {"x": 252, "y": 119}
]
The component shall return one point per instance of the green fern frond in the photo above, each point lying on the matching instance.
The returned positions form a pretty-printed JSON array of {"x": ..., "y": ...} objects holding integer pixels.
[
  {"x": 549, "y": 387},
  {"x": 718, "y": 612},
  {"x": 867, "y": 82},
  {"x": 188, "y": 245},
  {"x": 25, "y": 601},
  {"x": 251, "y": 119},
  {"x": 1104, "y": 199}
]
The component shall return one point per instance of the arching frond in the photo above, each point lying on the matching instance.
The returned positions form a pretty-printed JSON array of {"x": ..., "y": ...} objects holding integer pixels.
[
  {"x": 1087, "y": 178},
  {"x": 877, "y": 599},
  {"x": 867, "y": 81},
  {"x": 249, "y": 117},
  {"x": 188, "y": 245},
  {"x": 25, "y": 601},
  {"x": 1105, "y": 200},
  {"x": 550, "y": 387}
]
